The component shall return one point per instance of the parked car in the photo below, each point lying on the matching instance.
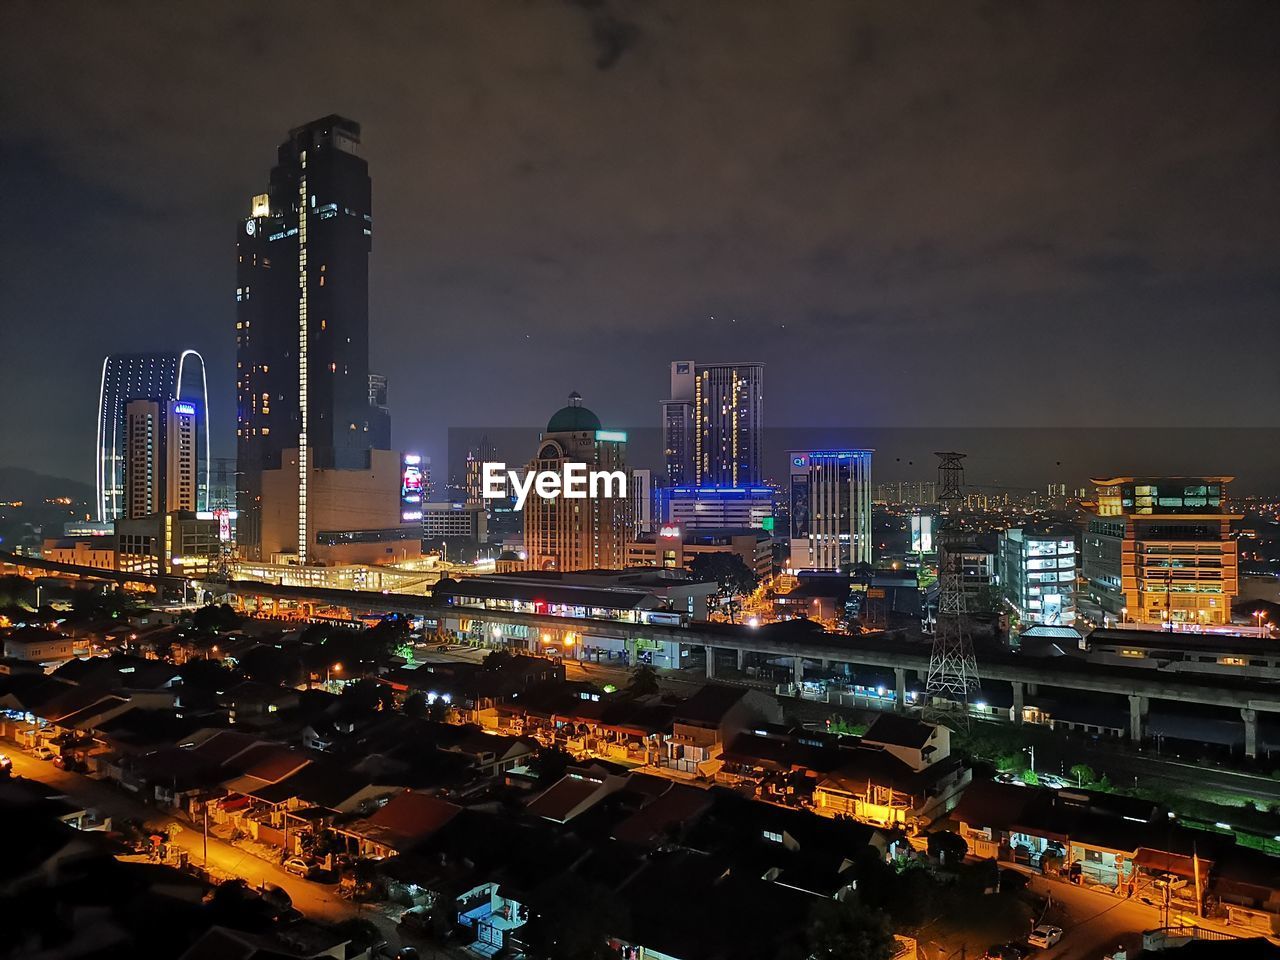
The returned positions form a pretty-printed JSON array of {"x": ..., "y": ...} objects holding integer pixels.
[
  {"x": 42, "y": 752},
  {"x": 6, "y": 765},
  {"x": 297, "y": 866},
  {"x": 64, "y": 762},
  {"x": 1045, "y": 936},
  {"x": 1006, "y": 951}
]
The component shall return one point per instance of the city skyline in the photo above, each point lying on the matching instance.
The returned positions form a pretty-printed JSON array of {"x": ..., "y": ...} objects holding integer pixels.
[
  {"x": 603, "y": 480},
  {"x": 1152, "y": 242}
]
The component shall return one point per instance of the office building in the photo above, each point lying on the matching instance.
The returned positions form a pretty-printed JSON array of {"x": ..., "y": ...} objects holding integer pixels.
[
  {"x": 1037, "y": 567},
  {"x": 379, "y": 413},
  {"x": 919, "y": 493},
  {"x": 830, "y": 508},
  {"x": 477, "y": 457},
  {"x": 159, "y": 377},
  {"x": 642, "y": 501},
  {"x": 703, "y": 508},
  {"x": 302, "y": 331},
  {"x": 454, "y": 521},
  {"x": 160, "y": 457},
  {"x": 728, "y": 424},
  {"x": 568, "y": 534},
  {"x": 677, "y": 425},
  {"x": 1158, "y": 550},
  {"x": 674, "y": 548},
  {"x": 177, "y": 543},
  {"x": 977, "y": 577},
  {"x": 340, "y": 500}
]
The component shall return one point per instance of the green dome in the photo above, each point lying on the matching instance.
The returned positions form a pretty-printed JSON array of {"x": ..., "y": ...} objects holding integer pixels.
[{"x": 574, "y": 418}]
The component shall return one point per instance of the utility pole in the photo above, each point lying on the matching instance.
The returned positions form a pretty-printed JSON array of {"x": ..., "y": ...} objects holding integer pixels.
[
  {"x": 953, "y": 668},
  {"x": 206, "y": 831}
]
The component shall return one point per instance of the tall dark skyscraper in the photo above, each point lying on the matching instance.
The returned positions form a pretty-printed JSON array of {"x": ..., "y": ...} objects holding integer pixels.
[{"x": 302, "y": 321}]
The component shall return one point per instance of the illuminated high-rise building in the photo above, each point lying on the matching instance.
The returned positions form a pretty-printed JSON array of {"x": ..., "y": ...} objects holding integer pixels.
[
  {"x": 160, "y": 457},
  {"x": 677, "y": 425},
  {"x": 1037, "y": 565},
  {"x": 830, "y": 508},
  {"x": 302, "y": 327},
  {"x": 159, "y": 377},
  {"x": 590, "y": 533},
  {"x": 728, "y": 424},
  {"x": 474, "y": 479},
  {"x": 1158, "y": 550}
]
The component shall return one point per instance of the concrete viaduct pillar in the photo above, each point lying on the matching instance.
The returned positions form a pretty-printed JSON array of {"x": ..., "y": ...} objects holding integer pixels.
[
  {"x": 1137, "y": 717},
  {"x": 711, "y": 662},
  {"x": 798, "y": 671},
  {"x": 900, "y": 688},
  {"x": 742, "y": 660},
  {"x": 1250, "y": 718},
  {"x": 1018, "y": 699}
]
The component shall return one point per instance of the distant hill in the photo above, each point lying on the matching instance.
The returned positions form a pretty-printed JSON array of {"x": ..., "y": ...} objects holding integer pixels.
[{"x": 19, "y": 483}]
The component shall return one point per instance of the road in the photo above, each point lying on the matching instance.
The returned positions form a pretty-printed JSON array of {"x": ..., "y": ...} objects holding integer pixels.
[
  {"x": 1122, "y": 765},
  {"x": 317, "y": 901},
  {"x": 1094, "y": 923}
]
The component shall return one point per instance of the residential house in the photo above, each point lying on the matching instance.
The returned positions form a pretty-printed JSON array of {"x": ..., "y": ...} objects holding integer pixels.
[
  {"x": 712, "y": 717},
  {"x": 407, "y": 821}
]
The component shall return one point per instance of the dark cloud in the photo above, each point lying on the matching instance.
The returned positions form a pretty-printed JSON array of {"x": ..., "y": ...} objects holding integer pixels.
[{"x": 567, "y": 194}]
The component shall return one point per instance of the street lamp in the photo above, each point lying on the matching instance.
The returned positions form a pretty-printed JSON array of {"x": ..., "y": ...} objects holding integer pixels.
[
  {"x": 1124, "y": 615},
  {"x": 1260, "y": 615},
  {"x": 336, "y": 668}
]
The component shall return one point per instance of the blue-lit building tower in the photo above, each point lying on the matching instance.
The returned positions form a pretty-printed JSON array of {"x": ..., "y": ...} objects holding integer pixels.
[{"x": 830, "y": 506}]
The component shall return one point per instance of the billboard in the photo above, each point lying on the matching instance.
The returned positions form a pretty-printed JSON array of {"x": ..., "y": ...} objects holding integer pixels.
[
  {"x": 412, "y": 486},
  {"x": 921, "y": 533}
]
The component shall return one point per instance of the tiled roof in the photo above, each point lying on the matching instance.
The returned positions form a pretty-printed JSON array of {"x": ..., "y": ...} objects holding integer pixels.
[
  {"x": 407, "y": 820},
  {"x": 898, "y": 731}
]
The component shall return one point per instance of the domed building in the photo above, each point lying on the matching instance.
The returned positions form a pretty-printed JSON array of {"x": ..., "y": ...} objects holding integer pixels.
[{"x": 579, "y": 533}]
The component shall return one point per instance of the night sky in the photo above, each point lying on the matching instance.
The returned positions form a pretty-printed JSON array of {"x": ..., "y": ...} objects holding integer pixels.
[{"x": 1073, "y": 206}]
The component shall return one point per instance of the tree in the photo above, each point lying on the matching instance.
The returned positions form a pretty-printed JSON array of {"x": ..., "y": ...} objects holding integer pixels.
[
  {"x": 947, "y": 847},
  {"x": 214, "y": 617},
  {"x": 839, "y": 931},
  {"x": 573, "y": 919},
  {"x": 206, "y": 675},
  {"x": 497, "y": 660},
  {"x": 644, "y": 681},
  {"x": 272, "y": 665},
  {"x": 550, "y": 763},
  {"x": 415, "y": 705},
  {"x": 368, "y": 695},
  {"x": 732, "y": 577},
  {"x": 1030, "y": 778},
  {"x": 1083, "y": 774}
]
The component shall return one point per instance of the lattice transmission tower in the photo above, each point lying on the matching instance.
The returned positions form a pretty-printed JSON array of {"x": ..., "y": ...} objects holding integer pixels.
[{"x": 953, "y": 669}]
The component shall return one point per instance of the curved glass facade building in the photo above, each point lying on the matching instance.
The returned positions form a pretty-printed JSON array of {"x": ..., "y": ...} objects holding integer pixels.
[{"x": 163, "y": 378}]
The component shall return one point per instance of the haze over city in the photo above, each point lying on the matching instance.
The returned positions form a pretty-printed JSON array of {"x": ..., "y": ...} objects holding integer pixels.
[{"x": 902, "y": 209}]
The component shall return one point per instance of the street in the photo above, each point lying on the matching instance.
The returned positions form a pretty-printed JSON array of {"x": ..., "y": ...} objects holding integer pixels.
[
  {"x": 1094, "y": 923},
  {"x": 317, "y": 901}
]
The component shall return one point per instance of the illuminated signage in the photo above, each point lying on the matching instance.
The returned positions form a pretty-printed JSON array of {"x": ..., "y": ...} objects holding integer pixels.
[
  {"x": 921, "y": 533},
  {"x": 612, "y": 436},
  {"x": 187, "y": 408},
  {"x": 262, "y": 205},
  {"x": 412, "y": 486},
  {"x": 669, "y": 532}
]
